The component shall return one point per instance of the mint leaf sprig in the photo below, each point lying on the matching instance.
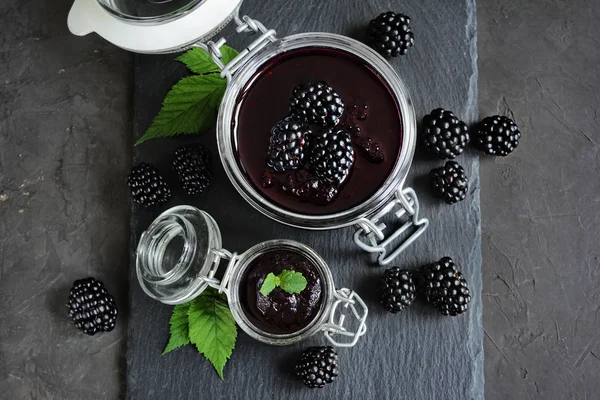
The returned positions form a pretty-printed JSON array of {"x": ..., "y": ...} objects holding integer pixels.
[
  {"x": 289, "y": 281},
  {"x": 192, "y": 104},
  {"x": 207, "y": 323}
]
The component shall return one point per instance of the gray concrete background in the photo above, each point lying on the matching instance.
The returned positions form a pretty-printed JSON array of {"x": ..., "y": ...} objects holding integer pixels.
[{"x": 65, "y": 149}]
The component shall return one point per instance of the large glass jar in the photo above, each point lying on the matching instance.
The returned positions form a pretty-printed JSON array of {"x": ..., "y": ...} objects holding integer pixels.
[{"x": 180, "y": 255}]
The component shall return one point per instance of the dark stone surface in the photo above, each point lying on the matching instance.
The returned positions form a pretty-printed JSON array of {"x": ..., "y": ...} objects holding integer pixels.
[
  {"x": 541, "y": 341},
  {"x": 411, "y": 354},
  {"x": 541, "y": 214}
]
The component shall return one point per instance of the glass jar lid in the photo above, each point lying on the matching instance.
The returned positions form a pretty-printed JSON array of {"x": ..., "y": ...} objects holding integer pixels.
[{"x": 137, "y": 10}]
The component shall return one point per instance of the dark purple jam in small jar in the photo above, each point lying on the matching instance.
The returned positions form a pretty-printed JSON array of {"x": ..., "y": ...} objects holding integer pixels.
[{"x": 280, "y": 312}]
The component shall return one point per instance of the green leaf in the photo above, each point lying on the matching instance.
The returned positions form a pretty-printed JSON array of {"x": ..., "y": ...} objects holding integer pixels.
[
  {"x": 292, "y": 281},
  {"x": 199, "y": 62},
  {"x": 270, "y": 283},
  {"x": 179, "y": 328},
  {"x": 191, "y": 106},
  {"x": 228, "y": 54},
  {"x": 212, "y": 328}
]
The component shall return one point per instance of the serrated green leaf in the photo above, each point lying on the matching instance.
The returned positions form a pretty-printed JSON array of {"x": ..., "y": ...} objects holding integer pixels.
[
  {"x": 199, "y": 61},
  {"x": 227, "y": 54},
  {"x": 191, "y": 106},
  {"x": 270, "y": 283},
  {"x": 179, "y": 328},
  {"x": 292, "y": 281},
  {"x": 212, "y": 328}
]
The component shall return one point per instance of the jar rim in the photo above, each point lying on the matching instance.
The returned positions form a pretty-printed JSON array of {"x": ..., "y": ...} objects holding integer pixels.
[
  {"x": 325, "y": 221},
  {"x": 238, "y": 312}
]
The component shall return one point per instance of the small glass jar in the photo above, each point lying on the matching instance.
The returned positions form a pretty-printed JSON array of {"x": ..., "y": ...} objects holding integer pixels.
[{"x": 179, "y": 256}]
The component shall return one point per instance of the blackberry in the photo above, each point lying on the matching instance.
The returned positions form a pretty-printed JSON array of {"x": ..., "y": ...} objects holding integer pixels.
[
  {"x": 443, "y": 134},
  {"x": 449, "y": 183},
  {"x": 445, "y": 287},
  {"x": 332, "y": 156},
  {"x": 396, "y": 289},
  {"x": 317, "y": 103},
  {"x": 318, "y": 366},
  {"x": 148, "y": 187},
  {"x": 91, "y": 307},
  {"x": 390, "y": 34},
  {"x": 192, "y": 164},
  {"x": 497, "y": 136},
  {"x": 287, "y": 145}
]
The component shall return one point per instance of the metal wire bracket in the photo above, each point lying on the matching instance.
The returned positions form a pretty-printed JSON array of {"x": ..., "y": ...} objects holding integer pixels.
[
  {"x": 244, "y": 24},
  {"x": 347, "y": 299},
  {"x": 370, "y": 235}
]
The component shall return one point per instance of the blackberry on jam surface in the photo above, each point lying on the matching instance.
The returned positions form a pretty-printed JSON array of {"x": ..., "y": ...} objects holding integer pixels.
[
  {"x": 318, "y": 366},
  {"x": 192, "y": 163},
  {"x": 287, "y": 144},
  {"x": 332, "y": 156},
  {"x": 390, "y": 34},
  {"x": 445, "y": 287},
  {"x": 497, "y": 135},
  {"x": 443, "y": 134},
  {"x": 148, "y": 187},
  {"x": 91, "y": 307},
  {"x": 396, "y": 289},
  {"x": 317, "y": 103},
  {"x": 449, "y": 183}
]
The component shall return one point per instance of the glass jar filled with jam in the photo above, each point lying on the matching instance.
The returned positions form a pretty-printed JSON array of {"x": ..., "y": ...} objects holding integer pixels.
[{"x": 180, "y": 255}]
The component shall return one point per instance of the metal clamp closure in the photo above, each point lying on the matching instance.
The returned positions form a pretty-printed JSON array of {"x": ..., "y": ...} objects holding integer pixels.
[
  {"x": 370, "y": 235},
  {"x": 346, "y": 298},
  {"x": 244, "y": 25},
  {"x": 218, "y": 255}
]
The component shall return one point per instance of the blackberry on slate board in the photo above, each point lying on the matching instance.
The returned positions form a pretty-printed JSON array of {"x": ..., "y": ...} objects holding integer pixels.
[
  {"x": 148, "y": 187},
  {"x": 497, "y": 135},
  {"x": 390, "y": 34},
  {"x": 443, "y": 134},
  {"x": 192, "y": 164},
  {"x": 449, "y": 183},
  {"x": 317, "y": 103},
  {"x": 287, "y": 145},
  {"x": 396, "y": 289},
  {"x": 445, "y": 287},
  {"x": 91, "y": 307},
  {"x": 318, "y": 366},
  {"x": 332, "y": 156}
]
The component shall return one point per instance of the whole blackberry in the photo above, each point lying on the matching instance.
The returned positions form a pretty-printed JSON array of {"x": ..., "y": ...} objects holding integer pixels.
[
  {"x": 445, "y": 287},
  {"x": 148, "y": 187},
  {"x": 390, "y": 34},
  {"x": 287, "y": 145},
  {"x": 497, "y": 136},
  {"x": 449, "y": 183},
  {"x": 396, "y": 289},
  {"x": 332, "y": 156},
  {"x": 317, "y": 366},
  {"x": 192, "y": 164},
  {"x": 91, "y": 307},
  {"x": 317, "y": 103},
  {"x": 443, "y": 134}
]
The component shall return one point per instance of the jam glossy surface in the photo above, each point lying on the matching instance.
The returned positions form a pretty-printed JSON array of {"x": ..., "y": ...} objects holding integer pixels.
[
  {"x": 369, "y": 104},
  {"x": 280, "y": 312}
]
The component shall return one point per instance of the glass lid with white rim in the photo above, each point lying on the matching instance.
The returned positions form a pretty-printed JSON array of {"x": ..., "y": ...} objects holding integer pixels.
[{"x": 152, "y": 26}]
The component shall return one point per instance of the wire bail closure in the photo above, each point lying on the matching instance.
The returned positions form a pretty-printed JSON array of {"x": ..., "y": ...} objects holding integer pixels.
[
  {"x": 370, "y": 235},
  {"x": 344, "y": 299},
  {"x": 244, "y": 25}
]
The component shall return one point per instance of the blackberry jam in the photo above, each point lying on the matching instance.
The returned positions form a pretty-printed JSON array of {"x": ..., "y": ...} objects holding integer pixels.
[
  {"x": 371, "y": 114},
  {"x": 280, "y": 312}
]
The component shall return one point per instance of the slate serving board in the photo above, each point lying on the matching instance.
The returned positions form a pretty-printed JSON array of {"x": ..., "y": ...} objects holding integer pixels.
[{"x": 417, "y": 354}]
